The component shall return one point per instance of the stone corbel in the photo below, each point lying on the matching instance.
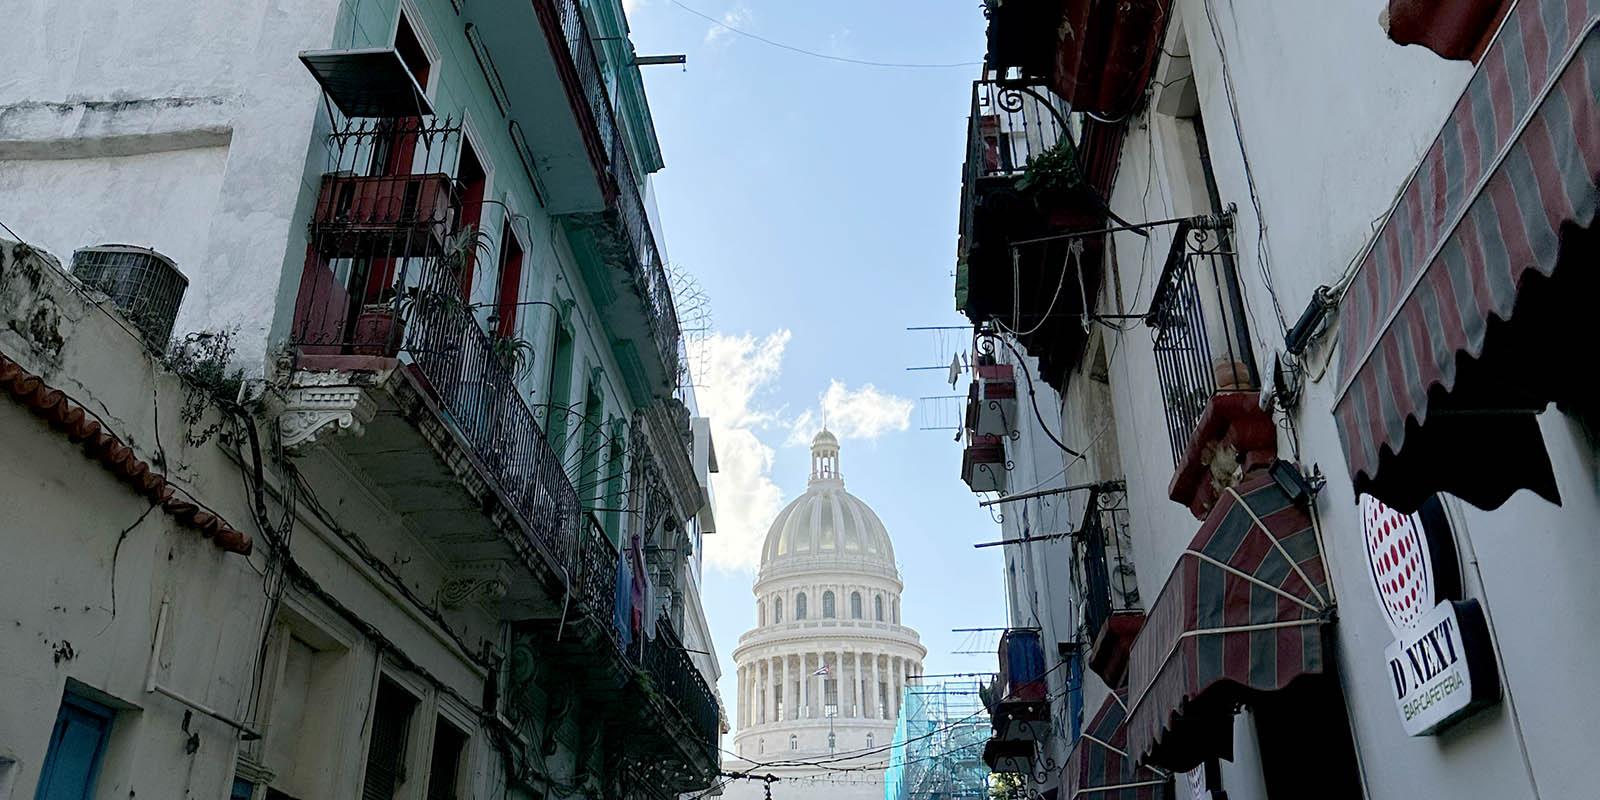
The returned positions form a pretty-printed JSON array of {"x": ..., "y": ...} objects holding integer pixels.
[
  {"x": 316, "y": 405},
  {"x": 485, "y": 582}
]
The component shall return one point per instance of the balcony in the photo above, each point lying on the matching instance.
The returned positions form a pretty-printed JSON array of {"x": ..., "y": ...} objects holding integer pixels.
[
  {"x": 1030, "y": 252},
  {"x": 614, "y": 242},
  {"x": 1204, "y": 364},
  {"x": 992, "y": 400},
  {"x": 1021, "y": 697},
  {"x": 984, "y": 467},
  {"x": 647, "y": 689},
  {"x": 1112, "y": 613}
]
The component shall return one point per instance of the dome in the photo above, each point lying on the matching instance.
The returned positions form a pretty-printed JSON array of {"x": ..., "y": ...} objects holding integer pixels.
[{"x": 827, "y": 523}]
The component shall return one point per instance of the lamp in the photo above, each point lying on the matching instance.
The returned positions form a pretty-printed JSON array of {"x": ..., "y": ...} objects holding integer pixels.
[
  {"x": 1299, "y": 488},
  {"x": 1310, "y": 322}
]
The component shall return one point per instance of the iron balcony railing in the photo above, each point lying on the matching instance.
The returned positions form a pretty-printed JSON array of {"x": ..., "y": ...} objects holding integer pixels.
[
  {"x": 1202, "y": 341},
  {"x": 1012, "y": 122},
  {"x": 672, "y": 672},
  {"x": 1107, "y": 579},
  {"x": 650, "y": 275}
]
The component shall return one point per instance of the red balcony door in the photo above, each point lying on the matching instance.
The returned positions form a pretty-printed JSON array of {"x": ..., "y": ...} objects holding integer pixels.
[
  {"x": 394, "y": 151},
  {"x": 510, "y": 282},
  {"x": 474, "y": 181}
]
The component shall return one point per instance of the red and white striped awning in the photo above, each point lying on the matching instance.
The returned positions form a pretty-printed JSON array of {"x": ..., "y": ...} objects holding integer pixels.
[{"x": 1505, "y": 188}]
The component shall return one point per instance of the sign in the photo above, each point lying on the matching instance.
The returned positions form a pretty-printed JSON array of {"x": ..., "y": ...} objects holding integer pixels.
[{"x": 1441, "y": 664}]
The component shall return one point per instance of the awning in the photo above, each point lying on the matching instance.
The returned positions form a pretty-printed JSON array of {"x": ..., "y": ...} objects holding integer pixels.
[
  {"x": 1507, "y": 189},
  {"x": 1457, "y": 29},
  {"x": 1106, "y": 52},
  {"x": 1100, "y": 765},
  {"x": 370, "y": 82},
  {"x": 1241, "y": 616}
]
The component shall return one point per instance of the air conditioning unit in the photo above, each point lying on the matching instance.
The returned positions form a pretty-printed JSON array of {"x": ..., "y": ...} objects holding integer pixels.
[{"x": 145, "y": 286}]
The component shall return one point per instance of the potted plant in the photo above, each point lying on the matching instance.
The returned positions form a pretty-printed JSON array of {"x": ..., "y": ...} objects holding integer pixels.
[
  {"x": 1053, "y": 178},
  {"x": 379, "y": 329},
  {"x": 514, "y": 353}
]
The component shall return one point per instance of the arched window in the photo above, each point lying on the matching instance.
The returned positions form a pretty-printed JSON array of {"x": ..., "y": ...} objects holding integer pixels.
[
  {"x": 855, "y": 605},
  {"x": 761, "y": 746},
  {"x": 800, "y": 606},
  {"x": 869, "y": 740},
  {"x": 777, "y": 610},
  {"x": 794, "y": 742},
  {"x": 827, "y": 605},
  {"x": 877, "y": 608},
  {"x": 831, "y": 741}
]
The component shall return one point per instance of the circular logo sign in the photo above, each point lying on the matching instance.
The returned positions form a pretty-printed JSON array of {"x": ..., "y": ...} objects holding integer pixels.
[{"x": 1402, "y": 571}]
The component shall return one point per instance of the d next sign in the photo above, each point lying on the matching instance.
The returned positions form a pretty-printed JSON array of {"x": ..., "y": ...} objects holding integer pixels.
[{"x": 1441, "y": 665}]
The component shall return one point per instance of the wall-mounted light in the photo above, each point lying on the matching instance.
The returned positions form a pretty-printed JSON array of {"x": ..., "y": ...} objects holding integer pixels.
[
  {"x": 1299, "y": 488},
  {"x": 1310, "y": 323}
]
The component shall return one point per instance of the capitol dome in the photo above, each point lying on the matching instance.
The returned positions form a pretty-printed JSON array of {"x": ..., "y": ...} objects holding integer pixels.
[
  {"x": 827, "y": 525},
  {"x": 823, "y": 670}
]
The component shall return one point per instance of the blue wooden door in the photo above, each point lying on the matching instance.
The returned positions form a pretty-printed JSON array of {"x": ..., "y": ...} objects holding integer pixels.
[{"x": 76, "y": 746}]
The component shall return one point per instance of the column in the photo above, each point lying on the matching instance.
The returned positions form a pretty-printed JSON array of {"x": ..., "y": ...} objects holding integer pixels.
[
  {"x": 872, "y": 708},
  {"x": 805, "y": 687},
  {"x": 783, "y": 688},
  {"x": 837, "y": 675},
  {"x": 899, "y": 684}
]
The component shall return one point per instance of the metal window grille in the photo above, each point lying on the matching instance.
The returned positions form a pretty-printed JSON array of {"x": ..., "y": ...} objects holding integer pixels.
[{"x": 143, "y": 284}]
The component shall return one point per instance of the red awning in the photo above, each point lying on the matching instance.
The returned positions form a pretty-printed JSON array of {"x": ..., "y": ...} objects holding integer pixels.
[
  {"x": 1106, "y": 52},
  {"x": 1100, "y": 766},
  {"x": 1241, "y": 616},
  {"x": 1456, "y": 29},
  {"x": 1507, "y": 190}
]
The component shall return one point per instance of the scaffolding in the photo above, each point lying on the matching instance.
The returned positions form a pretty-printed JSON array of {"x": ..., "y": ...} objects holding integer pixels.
[{"x": 937, "y": 750}]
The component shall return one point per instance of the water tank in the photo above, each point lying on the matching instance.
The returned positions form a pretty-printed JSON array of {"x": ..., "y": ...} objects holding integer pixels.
[{"x": 145, "y": 286}]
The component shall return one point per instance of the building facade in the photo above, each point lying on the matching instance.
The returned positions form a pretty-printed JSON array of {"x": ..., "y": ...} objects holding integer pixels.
[
  {"x": 354, "y": 455},
  {"x": 1272, "y": 325},
  {"x": 823, "y": 672}
]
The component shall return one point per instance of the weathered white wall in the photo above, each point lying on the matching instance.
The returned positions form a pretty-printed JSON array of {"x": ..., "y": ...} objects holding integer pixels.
[{"x": 151, "y": 84}]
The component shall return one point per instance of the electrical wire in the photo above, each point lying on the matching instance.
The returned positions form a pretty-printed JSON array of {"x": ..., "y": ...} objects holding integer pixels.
[{"x": 814, "y": 54}]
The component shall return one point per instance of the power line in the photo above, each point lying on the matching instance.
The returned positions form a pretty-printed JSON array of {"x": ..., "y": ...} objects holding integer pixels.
[{"x": 815, "y": 54}]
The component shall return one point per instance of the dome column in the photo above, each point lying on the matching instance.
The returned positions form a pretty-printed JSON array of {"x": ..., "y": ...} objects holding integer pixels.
[{"x": 872, "y": 709}]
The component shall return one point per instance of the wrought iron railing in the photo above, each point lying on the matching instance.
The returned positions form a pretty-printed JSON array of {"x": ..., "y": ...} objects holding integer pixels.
[
  {"x": 1108, "y": 580},
  {"x": 1202, "y": 341},
  {"x": 1012, "y": 122},
  {"x": 650, "y": 275},
  {"x": 597, "y": 577},
  {"x": 676, "y": 677}
]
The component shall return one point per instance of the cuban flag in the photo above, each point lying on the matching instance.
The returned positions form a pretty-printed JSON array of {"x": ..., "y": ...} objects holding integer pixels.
[{"x": 822, "y": 670}]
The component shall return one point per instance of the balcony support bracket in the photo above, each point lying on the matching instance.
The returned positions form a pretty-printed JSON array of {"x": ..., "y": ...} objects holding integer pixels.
[{"x": 316, "y": 405}]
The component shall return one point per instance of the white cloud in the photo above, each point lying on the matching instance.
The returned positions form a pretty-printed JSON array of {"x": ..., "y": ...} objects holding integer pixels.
[
  {"x": 734, "y": 379},
  {"x": 737, "y": 17},
  {"x": 735, "y": 372},
  {"x": 861, "y": 413}
]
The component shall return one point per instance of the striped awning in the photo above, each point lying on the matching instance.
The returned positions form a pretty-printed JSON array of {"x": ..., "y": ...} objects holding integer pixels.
[
  {"x": 1100, "y": 766},
  {"x": 1240, "y": 617},
  {"x": 1505, "y": 188}
]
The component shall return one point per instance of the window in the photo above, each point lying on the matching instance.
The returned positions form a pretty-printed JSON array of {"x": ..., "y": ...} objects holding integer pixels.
[
  {"x": 761, "y": 613},
  {"x": 877, "y": 608},
  {"x": 242, "y": 790},
  {"x": 830, "y": 698},
  {"x": 592, "y": 439},
  {"x": 444, "y": 774},
  {"x": 560, "y": 388},
  {"x": 474, "y": 182},
  {"x": 386, "y": 751},
  {"x": 794, "y": 742},
  {"x": 883, "y": 699},
  {"x": 800, "y": 606},
  {"x": 832, "y": 741},
  {"x": 77, "y": 746},
  {"x": 827, "y": 605},
  {"x": 614, "y": 469},
  {"x": 777, "y": 610},
  {"x": 409, "y": 46},
  {"x": 855, "y": 605},
  {"x": 761, "y": 746},
  {"x": 869, "y": 740},
  {"x": 510, "y": 287}
]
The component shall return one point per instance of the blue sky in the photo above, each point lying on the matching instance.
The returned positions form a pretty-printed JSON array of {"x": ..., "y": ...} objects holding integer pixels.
[{"x": 815, "y": 202}]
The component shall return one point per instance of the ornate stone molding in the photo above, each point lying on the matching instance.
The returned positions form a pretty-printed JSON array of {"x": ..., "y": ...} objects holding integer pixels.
[
  {"x": 480, "y": 581},
  {"x": 316, "y": 405}
]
